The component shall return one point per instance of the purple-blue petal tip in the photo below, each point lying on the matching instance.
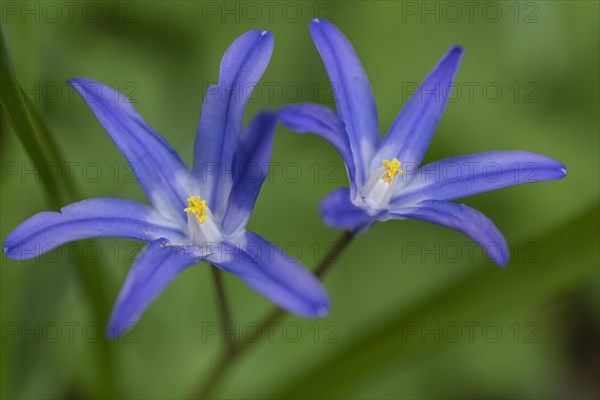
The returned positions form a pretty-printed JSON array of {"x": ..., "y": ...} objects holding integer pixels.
[
  {"x": 318, "y": 21},
  {"x": 453, "y": 55},
  {"x": 266, "y": 34},
  {"x": 8, "y": 249},
  {"x": 319, "y": 308},
  {"x": 322, "y": 311},
  {"x": 456, "y": 48},
  {"x": 502, "y": 260},
  {"x": 80, "y": 81},
  {"x": 114, "y": 330},
  {"x": 564, "y": 171}
]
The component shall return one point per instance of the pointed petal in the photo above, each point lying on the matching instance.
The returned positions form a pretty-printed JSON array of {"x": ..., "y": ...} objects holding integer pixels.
[
  {"x": 265, "y": 268},
  {"x": 463, "y": 219},
  {"x": 463, "y": 176},
  {"x": 100, "y": 217},
  {"x": 321, "y": 121},
  {"x": 161, "y": 173},
  {"x": 338, "y": 212},
  {"x": 411, "y": 132},
  {"x": 354, "y": 98},
  {"x": 154, "y": 268},
  {"x": 250, "y": 168},
  {"x": 222, "y": 111}
]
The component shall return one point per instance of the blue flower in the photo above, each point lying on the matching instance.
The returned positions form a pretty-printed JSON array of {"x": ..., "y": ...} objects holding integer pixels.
[
  {"x": 195, "y": 216},
  {"x": 385, "y": 182}
]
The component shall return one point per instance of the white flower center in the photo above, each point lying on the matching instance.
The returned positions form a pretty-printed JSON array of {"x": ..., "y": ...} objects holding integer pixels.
[
  {"x": 202, "y": 228},
  {"x": 378, "y": 191}
]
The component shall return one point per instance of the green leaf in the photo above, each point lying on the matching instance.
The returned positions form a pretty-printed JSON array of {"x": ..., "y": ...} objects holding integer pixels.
[
  {"x": 31, "y": 130},
  {"x": 33, "y": 133},
  {"x": 565, "y": 259}
]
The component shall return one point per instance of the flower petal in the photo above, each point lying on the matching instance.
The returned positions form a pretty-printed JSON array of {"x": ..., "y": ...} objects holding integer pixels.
[
  {"x": 100, "y": 217},
  {"x": 354, "y": 98},
  {"x": 161, "y": 173},
  {"x": 458, "y": 177},
  {"x": 338, "y": 212},
  {"x": 312, "y": 118},
  {"x": 154, "y": 268},
  {"x": 266, "y": 269},
  {"x": 411, "y": 132},
  {"x": 463, "y": 219},
  {"x": 250, "y": 168},
  {"x": 222, "y": 111}
]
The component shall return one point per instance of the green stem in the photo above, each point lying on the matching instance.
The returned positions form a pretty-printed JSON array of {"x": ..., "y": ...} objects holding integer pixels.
[
  {"x": 224, "y": 308},
  {"x": 332, "y": 257},
  {"x": 233, "y": 353}
]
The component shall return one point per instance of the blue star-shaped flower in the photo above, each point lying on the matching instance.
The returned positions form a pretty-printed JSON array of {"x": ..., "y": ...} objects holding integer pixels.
[
  {"x": 197, "y": 215},
  {"x": 384, "y": 181}
]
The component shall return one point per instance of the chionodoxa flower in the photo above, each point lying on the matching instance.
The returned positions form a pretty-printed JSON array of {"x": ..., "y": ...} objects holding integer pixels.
[
  {"x": 381, "y": 185},
  {"x": 194, "y": 216}
]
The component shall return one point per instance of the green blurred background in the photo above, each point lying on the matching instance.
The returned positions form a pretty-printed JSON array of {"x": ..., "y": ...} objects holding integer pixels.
[{"x": 417, "y": 311}]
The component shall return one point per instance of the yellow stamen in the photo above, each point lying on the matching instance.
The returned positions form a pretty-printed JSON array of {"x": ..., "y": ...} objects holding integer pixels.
[
  {"x": 392, "y": 168},
  {"x": 197, "y": 206}
]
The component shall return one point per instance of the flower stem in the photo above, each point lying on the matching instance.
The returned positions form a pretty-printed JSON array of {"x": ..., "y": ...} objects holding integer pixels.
[
  {"x": 233, "y": 352},
  {"x": 224, "y": 309},
  {"x": 331, "y": 257}
]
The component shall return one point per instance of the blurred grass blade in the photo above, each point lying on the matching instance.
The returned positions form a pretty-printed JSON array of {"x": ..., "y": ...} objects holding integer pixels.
[
  {"x": 565, "y": 260},
  {"x": 33, "y": 133},
  {"x": 31, "y": 130}
]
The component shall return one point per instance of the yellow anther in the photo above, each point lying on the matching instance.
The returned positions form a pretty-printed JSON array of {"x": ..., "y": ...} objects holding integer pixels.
[
  {"x": 198, "y": 207},
  {"x": 392, "y": 168}
]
